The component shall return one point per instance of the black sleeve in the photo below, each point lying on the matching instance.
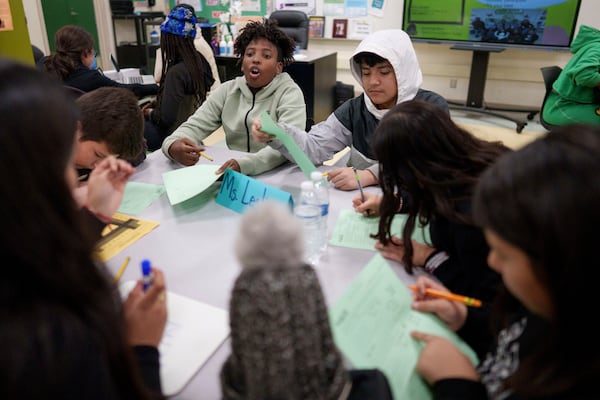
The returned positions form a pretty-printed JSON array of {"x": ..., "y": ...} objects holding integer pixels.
[
  {"x": 433, "y": 98},
  {"x": 466, "y": 270},
  {"x": 458, "y": 389},
  {"x": 369, "y": 384},
  {"x": 209, "y": 79},
  {"x": 476, "y": 331},
  {"x": 148, "y": 362},
  {"x": 172, "y": 94}
]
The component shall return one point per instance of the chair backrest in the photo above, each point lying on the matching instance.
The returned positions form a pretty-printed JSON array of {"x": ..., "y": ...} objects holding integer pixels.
[
  {"x": 550, "y": 75},
  {"x": 294, "y": 23},
  {"x": 73, "y": 91}
]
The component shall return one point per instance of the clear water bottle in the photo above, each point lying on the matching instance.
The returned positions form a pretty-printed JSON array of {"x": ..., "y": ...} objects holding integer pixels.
[
  {"x": 309, "y": 212},
  {"x": 322, "y": 198},
  {"x": 223, "y": 46},
  {"x": 154, "y": 38},
  {"x": 229, "y": 42}
]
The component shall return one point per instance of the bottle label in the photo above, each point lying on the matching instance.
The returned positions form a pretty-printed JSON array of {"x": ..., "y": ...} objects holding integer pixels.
[{"x": 324, "y": 209}]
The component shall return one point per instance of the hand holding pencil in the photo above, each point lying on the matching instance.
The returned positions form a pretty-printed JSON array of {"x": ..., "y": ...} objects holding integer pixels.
[
  {"x": 451, "y": 310},
  {"x": 468, "y": 301}
]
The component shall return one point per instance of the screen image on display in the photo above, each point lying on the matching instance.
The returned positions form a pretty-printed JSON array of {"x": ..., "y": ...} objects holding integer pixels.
[{"x": 492, "y": 23}]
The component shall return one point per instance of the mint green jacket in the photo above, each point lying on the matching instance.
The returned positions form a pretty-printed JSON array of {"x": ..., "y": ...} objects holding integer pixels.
[{"x": 233, "y": 106}]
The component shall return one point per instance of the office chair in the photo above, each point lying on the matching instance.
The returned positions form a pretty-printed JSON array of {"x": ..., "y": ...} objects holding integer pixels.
[
  {"x": 294, "y": 23},
  {"x": 550, "y": 75}
]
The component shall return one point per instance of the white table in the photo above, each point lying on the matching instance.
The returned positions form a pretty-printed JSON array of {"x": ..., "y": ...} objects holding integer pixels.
[{"x": 194, "y": 248}]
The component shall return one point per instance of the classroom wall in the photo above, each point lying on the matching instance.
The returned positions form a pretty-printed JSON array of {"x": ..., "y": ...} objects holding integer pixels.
[
  {"x": 513, "y": 76},
  {"x": 15, "y": 43}
]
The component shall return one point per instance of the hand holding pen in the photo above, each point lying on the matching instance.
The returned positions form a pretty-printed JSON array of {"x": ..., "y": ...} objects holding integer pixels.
[
  {"x": 146, "y": 310},
  {"x": 367, "y": 204},
  {"x": 360, "y": 188}
]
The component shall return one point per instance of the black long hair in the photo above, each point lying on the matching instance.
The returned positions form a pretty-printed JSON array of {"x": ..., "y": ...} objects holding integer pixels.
[
  {"x": 545, "y": 200},
  {"x": 431, "y": 162},
  {"x": 175, "y": 48},
  {"x": 52, "y": 294}
]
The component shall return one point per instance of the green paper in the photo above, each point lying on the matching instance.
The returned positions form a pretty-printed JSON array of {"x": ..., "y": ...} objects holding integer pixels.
[
  {"x": 184, "y": 183},
  {"x": 138, "y": 196},
  {"x": 371, "y": 324},
  {"x": 302, "y": 160},
  {"x": 352, "y": 230}
]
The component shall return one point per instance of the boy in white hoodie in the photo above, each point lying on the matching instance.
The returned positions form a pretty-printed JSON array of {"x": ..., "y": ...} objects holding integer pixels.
[{"x": 386, "y": 66}]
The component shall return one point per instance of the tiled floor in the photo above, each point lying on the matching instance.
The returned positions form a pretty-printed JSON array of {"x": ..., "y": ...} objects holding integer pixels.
[{"x": 489, "y": 120}]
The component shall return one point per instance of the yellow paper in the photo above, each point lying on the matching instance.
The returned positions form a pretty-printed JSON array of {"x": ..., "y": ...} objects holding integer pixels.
[{"x": 122, "y": 233}]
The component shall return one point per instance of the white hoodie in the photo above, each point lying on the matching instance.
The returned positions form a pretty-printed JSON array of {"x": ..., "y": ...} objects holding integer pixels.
[{"x": 403, "y": 58}]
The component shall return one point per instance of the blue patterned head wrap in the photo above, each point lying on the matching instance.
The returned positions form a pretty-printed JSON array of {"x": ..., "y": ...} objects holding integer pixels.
[{"x": 181, "y": 21}]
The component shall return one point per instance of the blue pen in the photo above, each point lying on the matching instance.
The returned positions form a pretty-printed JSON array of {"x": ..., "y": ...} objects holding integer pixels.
[{"x": 146, "y": 274}]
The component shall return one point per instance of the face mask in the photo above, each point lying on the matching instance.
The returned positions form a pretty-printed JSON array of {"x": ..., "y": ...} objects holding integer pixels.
[{"x": 94, "y": 63}]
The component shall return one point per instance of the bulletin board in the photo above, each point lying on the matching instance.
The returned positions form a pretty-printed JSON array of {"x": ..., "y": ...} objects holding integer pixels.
[{"x": 211, "y": 9}]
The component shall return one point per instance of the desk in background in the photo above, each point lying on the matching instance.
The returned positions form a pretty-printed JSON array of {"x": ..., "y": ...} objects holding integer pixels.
[
  {"x": 315, "y": 71},
  {"x": 194, "y": 246}
]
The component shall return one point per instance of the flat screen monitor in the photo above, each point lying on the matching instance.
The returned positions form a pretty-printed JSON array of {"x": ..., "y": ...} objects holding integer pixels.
[{"x": 492, "y": 23}]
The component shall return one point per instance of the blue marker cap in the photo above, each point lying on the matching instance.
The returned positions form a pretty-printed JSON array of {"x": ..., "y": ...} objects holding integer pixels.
[{"x": 146, "y": 273}]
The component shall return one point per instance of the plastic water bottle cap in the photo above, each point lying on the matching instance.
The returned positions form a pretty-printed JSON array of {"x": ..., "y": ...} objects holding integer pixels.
[
  {"x": 306, "y": 185},
  {"x": 316, "y": 175}
]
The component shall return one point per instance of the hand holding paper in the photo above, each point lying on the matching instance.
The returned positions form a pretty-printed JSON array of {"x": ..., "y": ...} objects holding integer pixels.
[{"x": 269, "y": 126}]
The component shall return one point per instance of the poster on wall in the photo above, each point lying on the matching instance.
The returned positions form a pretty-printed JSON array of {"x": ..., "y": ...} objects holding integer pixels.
[
  {"x": 308, "y": 6},
  {"x": 316, "y": 26},
  {"x": 6, "y": 22},
  {"x": 359, "y": 29},
  {"x": 376, "y": 8},
  {"x": 340, "y": 28},
  {"x": 356, "y": 8},
  {"x": 251, "y": 5},
  {"x": 334, "y": 8}
]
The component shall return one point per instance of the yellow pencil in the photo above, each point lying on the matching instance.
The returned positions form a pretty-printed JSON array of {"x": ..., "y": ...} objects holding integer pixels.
[
  {"x": 469, "y": 301},
  {"x": 122, "y": 269},
  {"x": 205, "y": 156}
]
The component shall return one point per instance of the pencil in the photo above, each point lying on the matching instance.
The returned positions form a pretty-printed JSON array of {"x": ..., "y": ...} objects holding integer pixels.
[
  {"x": 469, "y": 301},
  {"x": 205, "y": 156},
  {"x": 122, "y": 269},
  {"x": 362, "y": 194}
]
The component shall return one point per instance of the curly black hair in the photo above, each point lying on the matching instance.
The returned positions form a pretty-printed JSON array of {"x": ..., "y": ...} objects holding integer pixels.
[{"x": 270, "y": 31}]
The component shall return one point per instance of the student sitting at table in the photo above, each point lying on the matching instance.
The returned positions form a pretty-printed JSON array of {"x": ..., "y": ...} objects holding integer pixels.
[
  {"x": 185, "y": 80},
  {"x": 74, "y": 63},
  {"x": 110, "y": 122},
  {"x": 264, "y": 50},
  {"x": 544, "y": 245},
  {"x": 65, "y": 331},
  {"x": 429, "y": 167},
  {"x": 282, "y": 344},
  {"x": 385, "y": 65}
]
